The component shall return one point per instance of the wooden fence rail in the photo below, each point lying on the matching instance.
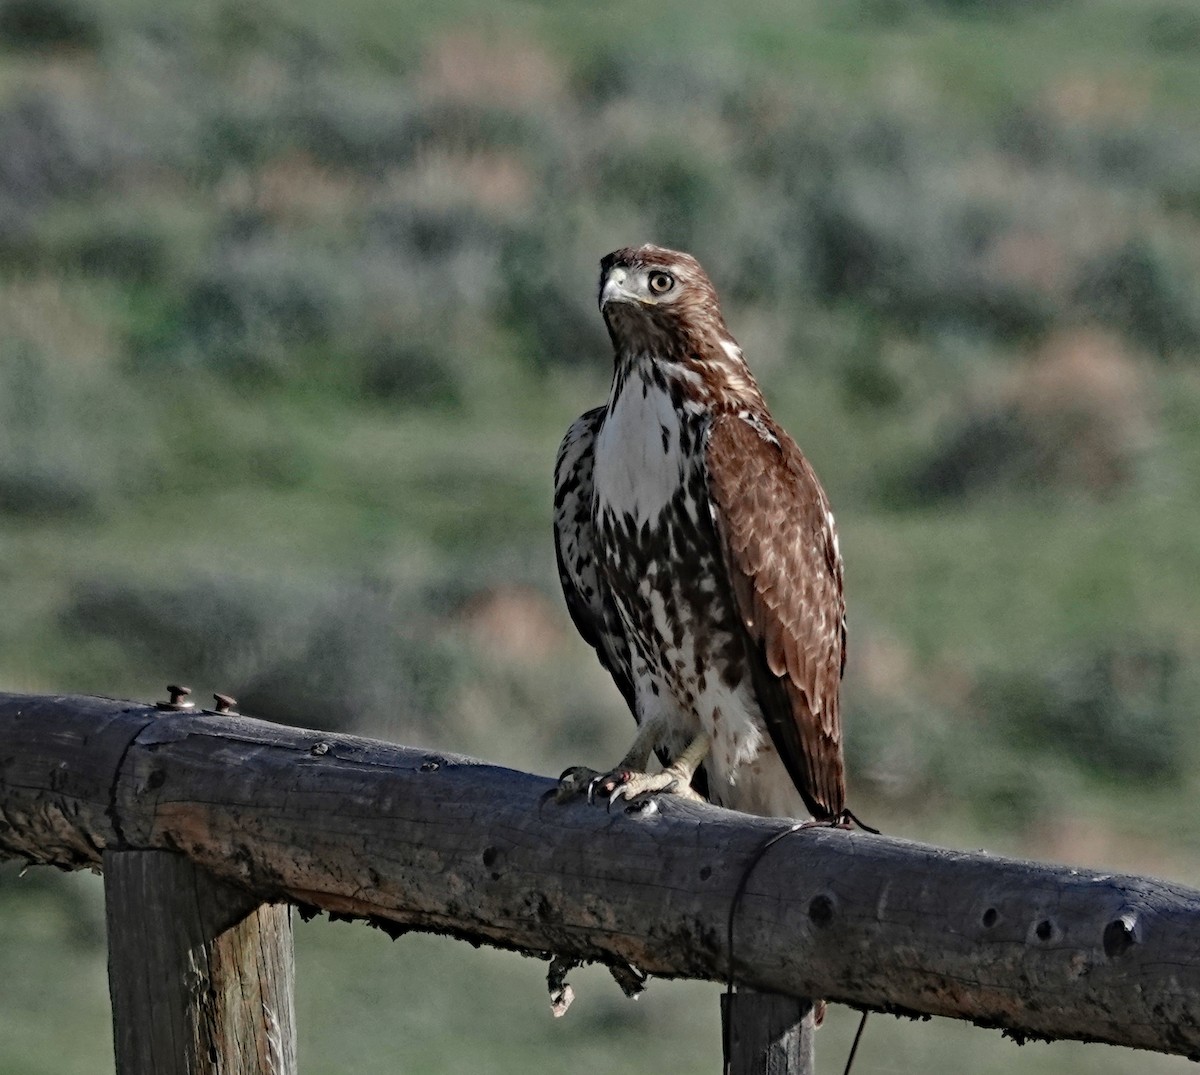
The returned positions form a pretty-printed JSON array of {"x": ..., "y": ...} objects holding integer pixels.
[{"x": 414, "y": 839}]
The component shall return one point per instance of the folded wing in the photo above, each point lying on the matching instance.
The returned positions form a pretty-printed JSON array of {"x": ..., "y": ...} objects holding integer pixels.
[{"x": 780, "y": 548}]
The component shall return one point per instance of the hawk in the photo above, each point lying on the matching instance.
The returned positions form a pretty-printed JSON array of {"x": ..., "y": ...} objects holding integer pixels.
[{"x": 698, "y": 556}]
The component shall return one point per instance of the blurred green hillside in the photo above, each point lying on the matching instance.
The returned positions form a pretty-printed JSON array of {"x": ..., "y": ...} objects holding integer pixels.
[{"x": 296, "y": 301}]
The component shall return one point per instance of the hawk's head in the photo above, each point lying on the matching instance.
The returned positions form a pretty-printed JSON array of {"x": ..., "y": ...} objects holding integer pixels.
[
  {"x": 661, "y": 303},
  {"x": 650, "y": 286}
]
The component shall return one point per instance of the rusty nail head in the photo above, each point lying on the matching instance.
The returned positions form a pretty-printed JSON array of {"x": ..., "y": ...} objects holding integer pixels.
[
  {"x": 177, "y": 696},
  {"x": 225, "y": 704}
]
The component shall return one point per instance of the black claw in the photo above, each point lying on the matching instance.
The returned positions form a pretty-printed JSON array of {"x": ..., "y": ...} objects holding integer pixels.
[{"x": 615, "y": 796}]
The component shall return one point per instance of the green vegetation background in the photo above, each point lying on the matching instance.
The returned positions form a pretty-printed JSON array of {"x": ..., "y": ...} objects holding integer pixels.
[{"x": 296, "y": 300}]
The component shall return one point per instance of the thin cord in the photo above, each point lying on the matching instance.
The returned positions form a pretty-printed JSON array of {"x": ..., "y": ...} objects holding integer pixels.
[
  {"x": 850, "y": 815},
  {"x": 862, "y": 1023}
]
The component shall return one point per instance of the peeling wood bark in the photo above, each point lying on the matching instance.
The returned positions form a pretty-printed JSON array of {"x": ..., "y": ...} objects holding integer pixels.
[
  {"x": 417, "y": 840},
  {"x": 200, "y": 971}
]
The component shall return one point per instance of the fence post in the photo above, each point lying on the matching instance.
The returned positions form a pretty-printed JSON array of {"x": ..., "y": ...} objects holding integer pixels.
[
  {"x": 200, "y": 972},
  {"x": 767, "y": 1034}
]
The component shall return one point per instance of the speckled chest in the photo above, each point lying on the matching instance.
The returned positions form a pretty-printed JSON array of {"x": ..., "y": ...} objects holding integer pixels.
[{"x": 659, "y": 549}]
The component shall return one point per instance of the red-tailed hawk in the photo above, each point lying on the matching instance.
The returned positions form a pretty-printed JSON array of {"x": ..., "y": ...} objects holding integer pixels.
[{"x": 698, "y": 556}]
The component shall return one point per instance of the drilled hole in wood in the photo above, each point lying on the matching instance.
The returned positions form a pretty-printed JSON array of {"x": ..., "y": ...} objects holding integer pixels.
[
  {"x": 1118, "y": 937},
  {"x": 1045, "y": 930},
  {"x": 705, "y": 873},
  {"x": 821, "y": 910},
  {"x": 990, "y": 917}
]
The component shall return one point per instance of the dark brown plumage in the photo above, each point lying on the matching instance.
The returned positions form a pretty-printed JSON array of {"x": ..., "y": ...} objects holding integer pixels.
[{"x": 698, "y": 555}]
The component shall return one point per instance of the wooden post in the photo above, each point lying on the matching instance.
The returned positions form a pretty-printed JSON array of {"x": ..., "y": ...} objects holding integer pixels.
[
  {"x": 200, "y": 971},
  {"x": 767, "y": 1034}
]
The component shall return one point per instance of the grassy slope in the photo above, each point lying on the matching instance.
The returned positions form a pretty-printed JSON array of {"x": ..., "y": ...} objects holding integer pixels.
[{"x": 298, "y": 483}]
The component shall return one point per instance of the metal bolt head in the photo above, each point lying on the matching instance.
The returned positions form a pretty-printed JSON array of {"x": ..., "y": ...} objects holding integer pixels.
[
  {"x": 225, "y": 704},
  {"x": 177, "y": 696}
]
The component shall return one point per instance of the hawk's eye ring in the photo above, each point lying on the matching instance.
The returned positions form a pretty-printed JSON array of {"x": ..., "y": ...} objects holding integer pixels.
[{"x": 660, "y": 282}]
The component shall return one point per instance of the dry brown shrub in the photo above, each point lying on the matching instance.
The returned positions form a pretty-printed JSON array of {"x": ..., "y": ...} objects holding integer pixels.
[
  {"x": 295, "y": 188},
  {"x": 58, "y": 321},
  {"x": 1029, "y": 258},
  {"x": 514, "y": 623},
  {"x": 1087, "y": 405},
  {"x": 505, "y": 70},
  {"x": 495, "y": 180},
  {"x": 1085, "y": 98}
]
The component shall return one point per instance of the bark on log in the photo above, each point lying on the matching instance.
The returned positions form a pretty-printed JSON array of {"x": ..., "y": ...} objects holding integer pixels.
[
  {"x": 419, "y": 840},
  {"x": 200, "y": 972}
]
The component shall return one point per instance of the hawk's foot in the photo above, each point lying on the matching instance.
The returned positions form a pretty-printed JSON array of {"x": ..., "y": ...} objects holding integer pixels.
[
  {"x": 622, "y": 783},
  {"x": 675, "y": 779},
  {"x": 631, "y": 785},
  {"x": 629, "y": 779}
]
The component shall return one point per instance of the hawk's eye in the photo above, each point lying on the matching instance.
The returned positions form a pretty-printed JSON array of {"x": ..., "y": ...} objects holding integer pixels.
[{"x": 660, "y": 282}]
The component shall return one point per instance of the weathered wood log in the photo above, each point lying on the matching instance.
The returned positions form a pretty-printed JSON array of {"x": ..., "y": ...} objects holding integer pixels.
[
  {"x": 414, "y": 839},
  {"x": 201, "y": 972}
]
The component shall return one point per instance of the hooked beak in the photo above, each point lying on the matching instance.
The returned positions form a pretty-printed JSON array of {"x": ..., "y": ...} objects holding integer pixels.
[{"x": 612, "y": 288}]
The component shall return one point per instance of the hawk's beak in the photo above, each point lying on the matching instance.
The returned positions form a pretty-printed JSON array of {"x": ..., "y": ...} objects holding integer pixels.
[{"x": 613, "y": 288}]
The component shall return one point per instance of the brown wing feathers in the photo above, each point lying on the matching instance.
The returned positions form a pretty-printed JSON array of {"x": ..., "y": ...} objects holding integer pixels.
[{"x": 785, "y": 574}]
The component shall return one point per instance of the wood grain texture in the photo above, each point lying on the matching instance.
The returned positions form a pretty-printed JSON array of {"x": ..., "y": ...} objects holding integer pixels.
[
  {"x": 421, "y": 840},
  {"x": 767, "y": 1034},
  {"x": 200, "y": 972}
]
